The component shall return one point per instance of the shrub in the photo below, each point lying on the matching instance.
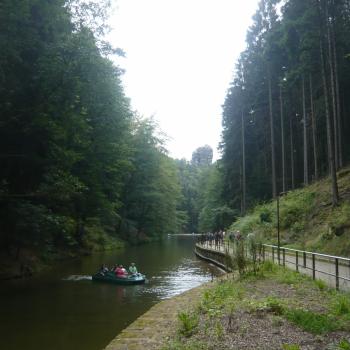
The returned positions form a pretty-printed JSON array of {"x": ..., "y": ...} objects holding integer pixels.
[
  {"x": 268, "y": 266},
  {"x": 296, "y": 206},
  {"x": 321, "y": 284},
  {"x": 341, "y": 305},
  {"x": 188, "y": 323},
  {"x": 219, "y": 330}
]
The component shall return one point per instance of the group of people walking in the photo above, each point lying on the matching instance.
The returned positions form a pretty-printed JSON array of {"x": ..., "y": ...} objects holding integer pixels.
[
  {"x": 217, "y": 238},
  {"x": 214, "y": 238}
]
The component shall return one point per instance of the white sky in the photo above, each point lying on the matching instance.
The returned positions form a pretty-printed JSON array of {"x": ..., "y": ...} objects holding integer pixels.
[{"x": 180, "y": 57}]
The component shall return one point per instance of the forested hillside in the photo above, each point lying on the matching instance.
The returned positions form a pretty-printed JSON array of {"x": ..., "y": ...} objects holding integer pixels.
[
  {"x": 78, "y": 168},
  {"x": 286, "y": 113}
]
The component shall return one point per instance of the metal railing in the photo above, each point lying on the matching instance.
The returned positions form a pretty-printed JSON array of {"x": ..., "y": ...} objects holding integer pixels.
[
  {"x": 317, "y": 263},
  {"x": 334, "y": 270}
]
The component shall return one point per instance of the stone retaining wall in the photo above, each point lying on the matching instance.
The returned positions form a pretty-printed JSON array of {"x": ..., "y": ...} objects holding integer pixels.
[
  {"x": 157, "y": 325},
  {"x": 216, "y": 257}
]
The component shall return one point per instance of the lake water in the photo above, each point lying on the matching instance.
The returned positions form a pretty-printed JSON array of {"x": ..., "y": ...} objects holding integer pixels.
[{"x": 65, "y": 310}]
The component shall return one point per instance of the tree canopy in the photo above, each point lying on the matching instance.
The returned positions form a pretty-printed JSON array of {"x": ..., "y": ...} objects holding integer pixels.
[
  {"x": 77, "y": 166},
  {"x": 286, "y": 111}
]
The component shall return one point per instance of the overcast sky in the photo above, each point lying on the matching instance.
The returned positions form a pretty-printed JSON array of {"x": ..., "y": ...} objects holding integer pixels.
[{"x": 180, "y": 57}]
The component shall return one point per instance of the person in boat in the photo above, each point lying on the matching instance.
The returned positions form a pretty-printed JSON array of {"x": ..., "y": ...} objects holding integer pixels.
[
  {"x": 133, "y": 269},
  {"x": 121, "y": 272},
  {"x": 103, "y": 269}
]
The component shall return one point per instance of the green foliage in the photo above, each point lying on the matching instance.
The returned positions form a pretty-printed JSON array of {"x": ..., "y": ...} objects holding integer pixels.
[
  {"x": 295, "y": 206},
  {"x": 190, "y": 345},
  {"x": 289, "y": 277},
  {"x": 152, "y": 193},
  {"x": 268, "y": 266},
  {"x": 344, "y": 344},
  {"x": 340, "y": 218},
  {"x": 321, "y": 284},
  {"x": 253, "y": 223},
  {"x": 219, "y": 330},
  {"x": 188, "y": 323},
  {"x": 201, "y": 185},
  {"x": 312, "y": 322},
  {"x": 270, "y": 304},
  {"x": 223, "y": 297},
  {"x": 341, "y": 305},
  {"x": 290, "y": 347},
  {"x": 77, "y": 168}
]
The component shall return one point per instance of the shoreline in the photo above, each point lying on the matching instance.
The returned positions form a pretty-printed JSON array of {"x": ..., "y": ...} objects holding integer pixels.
[{"x": 157, "y": 325}]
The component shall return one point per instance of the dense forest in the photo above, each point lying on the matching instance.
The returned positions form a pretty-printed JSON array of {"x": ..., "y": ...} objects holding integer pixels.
[
  {"x": 78, "y": 168},
  {"x": 286, "y": 113}
]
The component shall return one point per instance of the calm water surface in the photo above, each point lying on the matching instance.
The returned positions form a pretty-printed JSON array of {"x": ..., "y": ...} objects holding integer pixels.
[{"x": 65, "y": 310}]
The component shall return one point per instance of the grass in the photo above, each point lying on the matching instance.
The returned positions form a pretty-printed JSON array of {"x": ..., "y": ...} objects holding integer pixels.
[
  {"x": 341, "y": 305},
  {"x": 321, "y": 285},
  {"x": 312, "y": 322},
  {"x": 290, "y": 347},
  {"x": 305, "y": 304},
  {"x": 344, "y": 345}
]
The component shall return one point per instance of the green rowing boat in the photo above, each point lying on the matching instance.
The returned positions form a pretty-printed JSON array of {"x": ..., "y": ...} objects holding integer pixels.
[{"x": 110, "y": 277}]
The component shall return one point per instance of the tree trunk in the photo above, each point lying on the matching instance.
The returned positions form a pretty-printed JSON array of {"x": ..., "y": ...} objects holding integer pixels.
[
  {"x": 272, "y": 135},
  {"x": 330, "y": 143},
  {"x": 314, "y": 128},
  {"x": 243, "y": 169},
  {"x": 305, "y": 141},
  {"x": 283, "y": 144},
  {"x": 337, "y": 94},
  {"x": 334, "y": 105},
  {"x": 292, "y": 151}
]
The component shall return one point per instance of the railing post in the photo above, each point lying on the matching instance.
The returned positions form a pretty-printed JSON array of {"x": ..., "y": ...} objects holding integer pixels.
[
  {"x": 273, "y": 254},
  {"x": 284, "y": 257},
  {"x": 313, "y": 267},
  {"x": 297, "y": 260},
  {"x": 337, "y": 273},
  {"x": 304, "y": 256}
]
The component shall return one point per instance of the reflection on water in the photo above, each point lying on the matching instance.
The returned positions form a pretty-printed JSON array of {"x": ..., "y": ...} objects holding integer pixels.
[
  {"x": 77, "y": 278},
  {"x": 64, "y": 309}
]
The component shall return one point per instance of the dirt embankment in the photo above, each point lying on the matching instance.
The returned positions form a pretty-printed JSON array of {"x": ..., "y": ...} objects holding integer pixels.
[{"x": 272, "y": 310}]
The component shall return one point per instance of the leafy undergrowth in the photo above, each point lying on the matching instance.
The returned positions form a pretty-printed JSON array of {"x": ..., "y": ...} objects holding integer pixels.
[
  {"x": 307, "y": 218},
  {"x": 273, "y": 309}
]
